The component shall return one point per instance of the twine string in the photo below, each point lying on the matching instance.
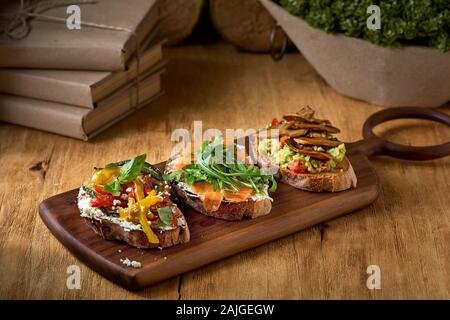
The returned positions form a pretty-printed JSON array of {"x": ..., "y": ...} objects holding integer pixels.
[{"x": 19, "y": 28}]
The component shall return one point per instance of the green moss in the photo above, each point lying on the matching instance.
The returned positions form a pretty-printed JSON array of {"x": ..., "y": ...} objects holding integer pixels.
[{"x": 403, "y": 22}]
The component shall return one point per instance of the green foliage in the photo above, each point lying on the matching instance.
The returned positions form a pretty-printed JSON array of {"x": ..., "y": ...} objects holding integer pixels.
[
  {"x": 147, "y": 169},
  {"x": 403, "y": 22},
  {"x": 165, "y": 215},
  {"x": 132, "y": 169},
  {"x": 219, "y": 166},
  {"x": 128, "y": 172}
]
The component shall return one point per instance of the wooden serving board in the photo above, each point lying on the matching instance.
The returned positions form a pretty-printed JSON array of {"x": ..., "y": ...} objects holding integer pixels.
[{"x": 211, "y": 239}]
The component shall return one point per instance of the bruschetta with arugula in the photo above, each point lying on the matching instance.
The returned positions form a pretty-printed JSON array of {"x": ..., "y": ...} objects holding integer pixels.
[
  {"x": 130, "y": 201},
  {"x": 217, "y": 182}
]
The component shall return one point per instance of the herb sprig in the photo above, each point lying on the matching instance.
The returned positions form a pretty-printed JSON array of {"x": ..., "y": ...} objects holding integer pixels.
[
  {"x": 220, "y": 166},
  {"x": 128, "y": 172}
]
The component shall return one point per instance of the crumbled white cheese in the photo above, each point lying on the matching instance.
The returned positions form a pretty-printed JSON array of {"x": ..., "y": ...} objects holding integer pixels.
[
  {"x": 128, "y": 190},
  {"x": 131, "y": 263},
  {"x": 181, "y": 222},
  {"x": 87, "y": 211},
  {"x": 116, "y": 202}
]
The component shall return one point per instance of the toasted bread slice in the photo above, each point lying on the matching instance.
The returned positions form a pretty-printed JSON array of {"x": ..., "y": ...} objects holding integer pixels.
[
  {"x": 136, "y": 238},
  {"x": 334, "y": 181},
  {"x": 202, "y": 196},
  {"x": 114, "y": 228},
  {"x": 229, "y": 210}
]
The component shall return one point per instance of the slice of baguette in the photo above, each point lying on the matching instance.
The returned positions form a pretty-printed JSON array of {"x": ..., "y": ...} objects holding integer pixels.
[
  {"x": 113, "y": 229},
  {"x": 334, "y": 181},
  {"x": 228, "y": 210}
]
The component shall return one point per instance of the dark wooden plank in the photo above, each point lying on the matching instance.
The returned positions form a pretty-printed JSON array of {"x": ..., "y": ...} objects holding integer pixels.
[{"x": 211, "y": 239}]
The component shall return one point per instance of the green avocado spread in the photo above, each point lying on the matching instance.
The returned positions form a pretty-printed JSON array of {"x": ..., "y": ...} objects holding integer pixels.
[{"x": 284, "y": 156}]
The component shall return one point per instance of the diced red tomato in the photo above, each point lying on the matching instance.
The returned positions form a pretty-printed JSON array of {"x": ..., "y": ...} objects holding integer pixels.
[
  {"x": 104, "y": 200},
  {"x": 123, "y": 203},
  {"x": 274, "y": 122},
  {"x": 147, "y": 188},
  {"x": 161, "y": 204},
  {"x": 297, "y": 167},
  {"x": 125, "y": 186},
  {"x": 283, "y": 141}
]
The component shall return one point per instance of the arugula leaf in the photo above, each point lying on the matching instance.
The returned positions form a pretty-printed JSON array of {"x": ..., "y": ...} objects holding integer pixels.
[
  {"x": 89, "y": 191},
  {"x": 153, "y": 171},
  {"x": 165, "y": 215},
  {"x": 132, "y": 169},
  {"x": 173, "y": 176},
  {"x": 159, "y": 188},
  {"x": 113, "y": 187},
  {"x": 147, "y": 169},
  {"x": 219, "y": 166},
  {"x": 116, "y": 164}
]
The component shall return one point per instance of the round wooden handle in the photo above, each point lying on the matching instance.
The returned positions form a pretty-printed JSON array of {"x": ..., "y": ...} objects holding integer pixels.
[{"x": 378, "y": 145}]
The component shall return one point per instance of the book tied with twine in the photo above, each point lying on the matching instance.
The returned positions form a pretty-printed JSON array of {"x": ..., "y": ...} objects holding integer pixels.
[{"x": 34, "y": 34}]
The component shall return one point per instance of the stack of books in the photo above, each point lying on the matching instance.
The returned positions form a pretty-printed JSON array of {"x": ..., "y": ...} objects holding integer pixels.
[{"x": 79, "y": 82}]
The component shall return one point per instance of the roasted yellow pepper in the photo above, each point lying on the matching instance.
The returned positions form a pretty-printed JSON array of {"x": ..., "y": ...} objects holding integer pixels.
[
  {"x": 140, "y": 208},
  {"x": 150, "y": 200},
  {"x": 105, "y": 176},
  {"x": 142, "y": 202},
  {"x": 138, "y": 190},
  {"x": 151, "y": 236}
]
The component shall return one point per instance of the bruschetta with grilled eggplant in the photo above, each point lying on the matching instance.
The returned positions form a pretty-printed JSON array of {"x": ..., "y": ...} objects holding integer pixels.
[
  {"x": 217, "y": 182},
  {"x": 130, "y": 201},
  {"x": 305, "y": 153}
]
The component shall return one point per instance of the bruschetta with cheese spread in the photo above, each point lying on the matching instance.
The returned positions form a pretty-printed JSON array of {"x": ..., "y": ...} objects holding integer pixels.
[{"x": 130, "y": 201}]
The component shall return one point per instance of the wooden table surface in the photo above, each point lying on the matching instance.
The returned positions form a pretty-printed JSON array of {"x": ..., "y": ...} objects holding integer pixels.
[{"x": 406, "y": 232}]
